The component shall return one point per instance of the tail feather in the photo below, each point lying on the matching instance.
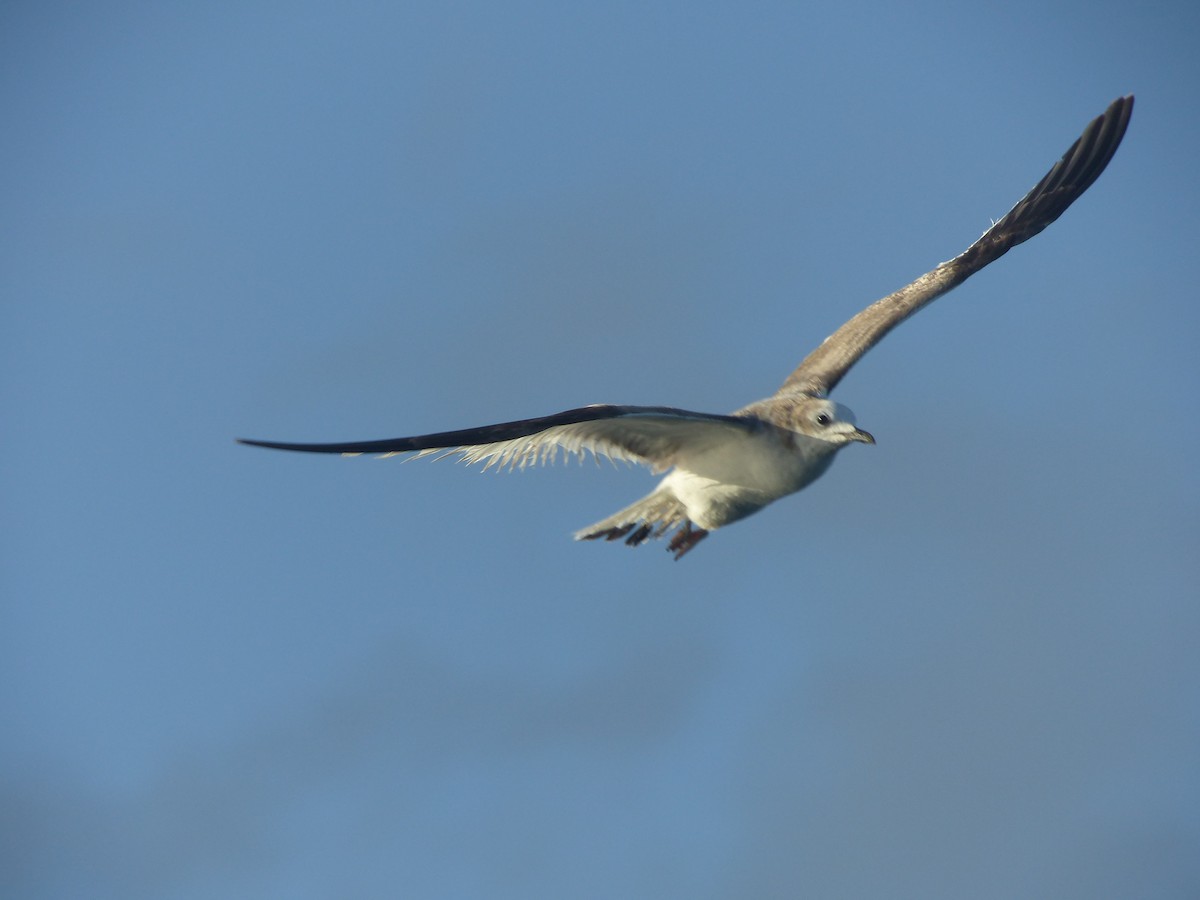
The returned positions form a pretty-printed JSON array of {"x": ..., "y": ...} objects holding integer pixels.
[{"x": 651, "y": 517}]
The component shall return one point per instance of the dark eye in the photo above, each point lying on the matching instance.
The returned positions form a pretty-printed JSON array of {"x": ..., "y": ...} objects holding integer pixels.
[{"x": 824, "y": 418}]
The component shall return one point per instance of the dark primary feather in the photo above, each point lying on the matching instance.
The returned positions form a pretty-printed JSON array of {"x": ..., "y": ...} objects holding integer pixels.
[
  {"x": 1079, "y": 167},
  {"x": 649, "y": 417}
]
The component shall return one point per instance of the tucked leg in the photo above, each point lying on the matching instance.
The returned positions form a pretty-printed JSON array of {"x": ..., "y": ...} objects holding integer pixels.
[{"x": 687, "y": 537}]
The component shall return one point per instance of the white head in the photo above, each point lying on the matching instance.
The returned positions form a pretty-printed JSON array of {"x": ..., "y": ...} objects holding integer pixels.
[{"x": 828, "y": 421}]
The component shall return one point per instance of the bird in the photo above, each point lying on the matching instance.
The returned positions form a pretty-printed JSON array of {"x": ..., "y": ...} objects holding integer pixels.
[{"x": 720, "y": 469}]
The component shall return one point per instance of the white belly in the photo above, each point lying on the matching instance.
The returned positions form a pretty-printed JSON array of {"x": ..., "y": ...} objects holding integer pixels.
[{"x": 729, "y": 481}]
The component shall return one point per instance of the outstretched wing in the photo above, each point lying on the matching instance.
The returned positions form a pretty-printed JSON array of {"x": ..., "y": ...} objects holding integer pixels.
[
  {"x": 651, "y": 435},
  {"x": 1081, "y": 165}
]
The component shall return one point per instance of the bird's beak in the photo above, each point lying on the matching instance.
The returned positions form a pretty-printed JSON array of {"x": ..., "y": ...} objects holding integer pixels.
[{"x": 859, "y": 435}]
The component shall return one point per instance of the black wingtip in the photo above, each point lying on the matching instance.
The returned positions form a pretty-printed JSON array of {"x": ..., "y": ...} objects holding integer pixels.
[
  {"x": 1067, "y": 180},
  {"x": 303, "y": 448}
]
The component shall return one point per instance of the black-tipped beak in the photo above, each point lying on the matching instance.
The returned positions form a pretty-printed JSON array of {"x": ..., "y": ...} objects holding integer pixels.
[{"x": 863, "y": 436}]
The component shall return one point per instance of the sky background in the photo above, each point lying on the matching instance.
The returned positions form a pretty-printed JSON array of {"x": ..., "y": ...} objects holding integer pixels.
[{"x": 962, "y": 664}]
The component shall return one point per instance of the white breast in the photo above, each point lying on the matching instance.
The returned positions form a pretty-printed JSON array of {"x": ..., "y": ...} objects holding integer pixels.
[{"x": 728, "y": 481}]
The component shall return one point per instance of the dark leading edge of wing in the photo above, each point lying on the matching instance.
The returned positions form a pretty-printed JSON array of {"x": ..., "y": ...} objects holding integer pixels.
[
  {"x": 1079, "y": 167},
  {"x": 504, "y": 431}
]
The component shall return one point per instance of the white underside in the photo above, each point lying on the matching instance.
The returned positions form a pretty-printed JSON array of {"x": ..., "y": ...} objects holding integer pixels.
[{"x": 732, "y": 479}]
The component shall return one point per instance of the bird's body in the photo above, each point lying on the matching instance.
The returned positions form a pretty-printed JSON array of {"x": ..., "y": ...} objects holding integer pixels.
[
  {"x": 730, "y": 473},
  {"x": 723, "y": 468}
]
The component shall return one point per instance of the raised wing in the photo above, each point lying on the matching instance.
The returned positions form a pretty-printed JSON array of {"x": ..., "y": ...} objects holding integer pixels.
[
  {"x": 651, "y": 435},
  {"x": 1081, "y": 165}
]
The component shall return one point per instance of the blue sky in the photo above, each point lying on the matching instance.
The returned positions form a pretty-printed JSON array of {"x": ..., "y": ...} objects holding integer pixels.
[{"x": 961, "y": 664}]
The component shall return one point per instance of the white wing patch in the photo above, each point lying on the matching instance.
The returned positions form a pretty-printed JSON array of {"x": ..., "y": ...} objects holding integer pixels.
[{"x": 544, "y": 449}]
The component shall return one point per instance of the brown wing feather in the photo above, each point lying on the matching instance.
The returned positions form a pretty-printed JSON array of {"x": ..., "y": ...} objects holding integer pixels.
[
  {"x": 649, "y": 434},
  {"x": 1079, "y": 167}
]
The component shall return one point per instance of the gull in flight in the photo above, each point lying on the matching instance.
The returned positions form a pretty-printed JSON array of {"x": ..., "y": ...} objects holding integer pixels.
[{"x": 723, "y": 468}]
